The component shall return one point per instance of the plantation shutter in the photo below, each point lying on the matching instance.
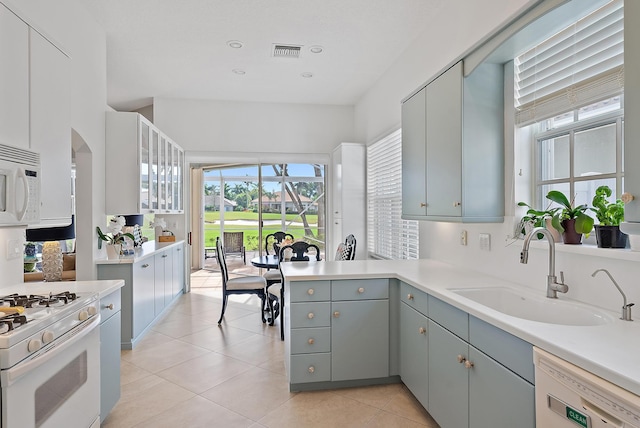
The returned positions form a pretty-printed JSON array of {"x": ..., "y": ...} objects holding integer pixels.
[
  {"x": 580, "y": 65},
  {"x": 389, "y": 236}
]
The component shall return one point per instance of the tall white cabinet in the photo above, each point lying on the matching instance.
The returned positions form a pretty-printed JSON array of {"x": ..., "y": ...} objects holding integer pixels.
[
  {"x": 348, "y": 200},
  {"x": 35, "y": 109},
  {"x": 149, "y": 173}
]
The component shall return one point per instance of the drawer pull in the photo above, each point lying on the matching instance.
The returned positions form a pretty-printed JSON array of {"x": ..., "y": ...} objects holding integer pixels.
[
  {"x": 310, "y": 315},
  {"x": 336, "y": 314},
  {"x": 311, "y": 341},
  {"x": 461, "y": 359},
  {"x": 109, "y": 306},
  {"x": 456, "y": 204},
  {"x": 422, "y": 330},
  {"x": 164, "y": 255},
  {"x": 422, "y": 205},
  {"x": 146, "y": 265},
  {"x": 361, "y": 290},
  {"x": 410, "y": 296},
  {"x": 311, "y": 369},
  {"x": 468, "y": 364},
  {"x": 310, "y": 291}
]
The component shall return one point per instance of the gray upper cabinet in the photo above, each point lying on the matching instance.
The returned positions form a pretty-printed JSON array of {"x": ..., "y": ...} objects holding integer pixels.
[{"x": 453, "y": 154}]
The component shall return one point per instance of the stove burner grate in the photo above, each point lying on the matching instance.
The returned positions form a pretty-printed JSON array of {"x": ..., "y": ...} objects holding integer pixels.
[
  {"x": 33, "y": 299},
  {"x": 11, "y": 319}
]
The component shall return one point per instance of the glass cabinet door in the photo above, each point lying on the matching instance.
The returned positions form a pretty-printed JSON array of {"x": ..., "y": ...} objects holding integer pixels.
[
  {"x": 162, "y": 174},
  {"x": 144, "y": 165},
  {"x": 155, "y": 179},
  {"x": 179, "y": 179},
  {"x": 170, "y": 175}
]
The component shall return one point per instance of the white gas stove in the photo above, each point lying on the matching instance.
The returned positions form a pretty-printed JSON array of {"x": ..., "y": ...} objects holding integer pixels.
[{"x": 49, "y": 357}]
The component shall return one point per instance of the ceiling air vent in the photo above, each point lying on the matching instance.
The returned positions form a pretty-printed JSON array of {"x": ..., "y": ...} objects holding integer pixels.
[{"x": 286, "y": 51}]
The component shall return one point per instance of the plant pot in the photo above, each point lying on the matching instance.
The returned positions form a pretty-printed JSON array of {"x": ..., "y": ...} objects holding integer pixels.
[
  {"x": 610, "y": 237},
  {"x": 570, "y": 236},
  {"x": 113, "y": 251}
]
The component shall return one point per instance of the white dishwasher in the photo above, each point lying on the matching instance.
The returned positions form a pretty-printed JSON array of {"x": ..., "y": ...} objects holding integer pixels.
[{"x": 568, "y": 396}]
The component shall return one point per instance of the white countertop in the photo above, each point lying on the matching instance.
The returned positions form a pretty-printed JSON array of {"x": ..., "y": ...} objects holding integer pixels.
[
  {"x": 148, "y": 249},
  {"x": 610, "y": 351}
]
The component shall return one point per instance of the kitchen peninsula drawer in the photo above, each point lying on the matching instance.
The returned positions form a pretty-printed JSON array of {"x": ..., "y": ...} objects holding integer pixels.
[
  {"x": 310, "y": 291},
  {"x": 316, "y": 314},
  {"x": 360, "y": 289},
  {"x": 307, "y": 368},
  {"x": 417, "y": 299},
  {"x": 310, "y": 340}
]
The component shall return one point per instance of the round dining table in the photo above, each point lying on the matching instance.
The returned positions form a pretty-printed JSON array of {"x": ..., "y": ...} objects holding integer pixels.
[{"x": 268, "y": 261}]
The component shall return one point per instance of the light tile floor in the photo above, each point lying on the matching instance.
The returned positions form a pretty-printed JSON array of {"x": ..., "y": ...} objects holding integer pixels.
[{"x": 189, "y": 372}]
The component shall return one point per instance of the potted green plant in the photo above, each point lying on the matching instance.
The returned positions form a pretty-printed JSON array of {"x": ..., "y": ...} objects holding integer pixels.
[
  {"x": 116, "y": 239},
  {"x": 609, "y": 215},
  {"x": 572, "y": 222},
  {"x": 537, "y": 218}
]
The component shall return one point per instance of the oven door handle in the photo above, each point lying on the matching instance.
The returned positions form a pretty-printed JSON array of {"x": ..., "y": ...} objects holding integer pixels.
[{"x": 15, "y": 372}]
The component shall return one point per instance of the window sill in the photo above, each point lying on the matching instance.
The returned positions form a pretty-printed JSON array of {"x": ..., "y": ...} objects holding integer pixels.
[{"x": 592, "y": 250}]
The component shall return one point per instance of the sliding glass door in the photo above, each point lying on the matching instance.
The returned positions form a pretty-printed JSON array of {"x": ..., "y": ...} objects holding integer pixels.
[{"x": 262, "y": 199}]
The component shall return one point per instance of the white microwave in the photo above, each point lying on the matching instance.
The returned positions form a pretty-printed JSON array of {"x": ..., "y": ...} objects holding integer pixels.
[{"x": 19, "y": 186}]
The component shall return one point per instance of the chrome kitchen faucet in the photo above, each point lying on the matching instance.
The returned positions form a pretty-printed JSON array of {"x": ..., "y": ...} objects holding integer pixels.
[{"x": 553, "y": 286}]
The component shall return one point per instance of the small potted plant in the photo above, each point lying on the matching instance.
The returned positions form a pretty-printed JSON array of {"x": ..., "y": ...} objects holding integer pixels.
[
  {"x": 536, "y": 218},
  {"x": 572, "y": 222},
  {"x": 116, "y": 239},
  {"x": 610, "y": 215}
]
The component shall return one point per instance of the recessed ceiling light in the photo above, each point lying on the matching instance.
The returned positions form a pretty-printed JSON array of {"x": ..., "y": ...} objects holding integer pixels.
[
  {"x": 316, "y": 49},
  {"x": 307, "y": 74},
  {"x": 238, "y": 71},
  {"x": 236, "y": 44}
]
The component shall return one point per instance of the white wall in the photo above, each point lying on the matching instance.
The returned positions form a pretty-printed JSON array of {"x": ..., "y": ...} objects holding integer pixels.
[
  {"x": 69, "y": 24},
  {"x": 219, "y": 126},
  {"x": 462, "y": 25}
]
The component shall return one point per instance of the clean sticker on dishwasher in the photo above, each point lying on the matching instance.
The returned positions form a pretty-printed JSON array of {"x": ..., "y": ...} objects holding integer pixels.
[{"x": 566, "y": 411}]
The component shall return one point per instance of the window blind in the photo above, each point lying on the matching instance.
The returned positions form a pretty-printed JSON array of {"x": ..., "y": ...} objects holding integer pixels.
[
  {"x": 580, "y": 65},
  {"x": 389, "y": 236}
]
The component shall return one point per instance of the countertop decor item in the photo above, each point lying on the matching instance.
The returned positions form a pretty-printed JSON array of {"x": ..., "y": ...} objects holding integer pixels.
[{"x": 117, "y": 237}]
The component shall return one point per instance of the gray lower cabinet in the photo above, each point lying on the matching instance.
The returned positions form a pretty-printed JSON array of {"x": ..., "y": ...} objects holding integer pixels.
[
  {"x": 147, "y": 292},
  {"x": 338, "y": 331},
  {"x": 414, "y": 358},
  {"x": 177, "y": 273},
  {"x": 110, "y": 320},
  {"x": 467, "y": 388}
]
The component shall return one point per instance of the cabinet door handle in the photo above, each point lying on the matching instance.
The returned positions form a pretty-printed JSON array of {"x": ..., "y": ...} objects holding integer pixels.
[
  {"x": 461, "y": 359},
  {"x": 164, "y": 255},
  {"x": 422, "y": 205},
  {"x": 311, "y": 341},
  {"x": 410, "y": 296},
  {"x": 422, "y": 330},
  {"x": 110, "y": 306},
  {"x": 179, "y": 249},
  {"x": 468, "y": 364},
  {"x": 456, "y": 204},
  {"x": 336, "y": 314},
  {"x": 360, "y": 290},
  {"x": 146, "y": 265},
  {"x": 310, "y": 315}
]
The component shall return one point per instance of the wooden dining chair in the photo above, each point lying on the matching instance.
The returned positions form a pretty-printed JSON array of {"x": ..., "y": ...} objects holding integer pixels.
[
  {"x": 241, "y": 285},
  {"x": 300, "y": 252},
  {"x": 274, "y": 240}
]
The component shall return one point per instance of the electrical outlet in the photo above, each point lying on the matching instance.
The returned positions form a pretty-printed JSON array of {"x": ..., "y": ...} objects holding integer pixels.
[
  {"x": 485, "y": 242},
  {"x": 463, "y": 237},
  {"x": 14, "y": 249}
]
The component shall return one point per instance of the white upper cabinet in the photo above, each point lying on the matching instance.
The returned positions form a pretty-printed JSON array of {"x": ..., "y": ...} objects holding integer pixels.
[
  {"x": 50, "y": 126},
  {"x": 14, "y": 80},
  {"x": 146, "y": 176},
  {"x": 452, "y": 148}
]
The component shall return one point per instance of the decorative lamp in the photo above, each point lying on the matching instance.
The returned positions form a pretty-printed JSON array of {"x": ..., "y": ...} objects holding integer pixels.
[{"x": 51, "y": 251}]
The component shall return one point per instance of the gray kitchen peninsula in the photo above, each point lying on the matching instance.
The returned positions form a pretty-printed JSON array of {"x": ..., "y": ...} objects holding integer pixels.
[
  {"x": 154, "y": 279},
  {"x": 421, "y": 322}
]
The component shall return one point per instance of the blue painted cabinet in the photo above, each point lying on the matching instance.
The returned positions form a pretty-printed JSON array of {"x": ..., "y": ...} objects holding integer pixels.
[
  {"x": 414, "y": 358},
  {"x": 110, "y": 319}
]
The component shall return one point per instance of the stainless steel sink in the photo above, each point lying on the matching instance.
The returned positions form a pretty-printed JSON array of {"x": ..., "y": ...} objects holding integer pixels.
[{"x": 534, "y": 308}]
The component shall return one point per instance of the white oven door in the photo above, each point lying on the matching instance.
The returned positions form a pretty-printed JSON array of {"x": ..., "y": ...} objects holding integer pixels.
[{"x": 59, "y": 386}]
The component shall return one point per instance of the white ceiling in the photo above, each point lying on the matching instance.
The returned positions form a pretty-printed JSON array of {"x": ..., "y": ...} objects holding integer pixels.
[{"x": 178, "y": 48}]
